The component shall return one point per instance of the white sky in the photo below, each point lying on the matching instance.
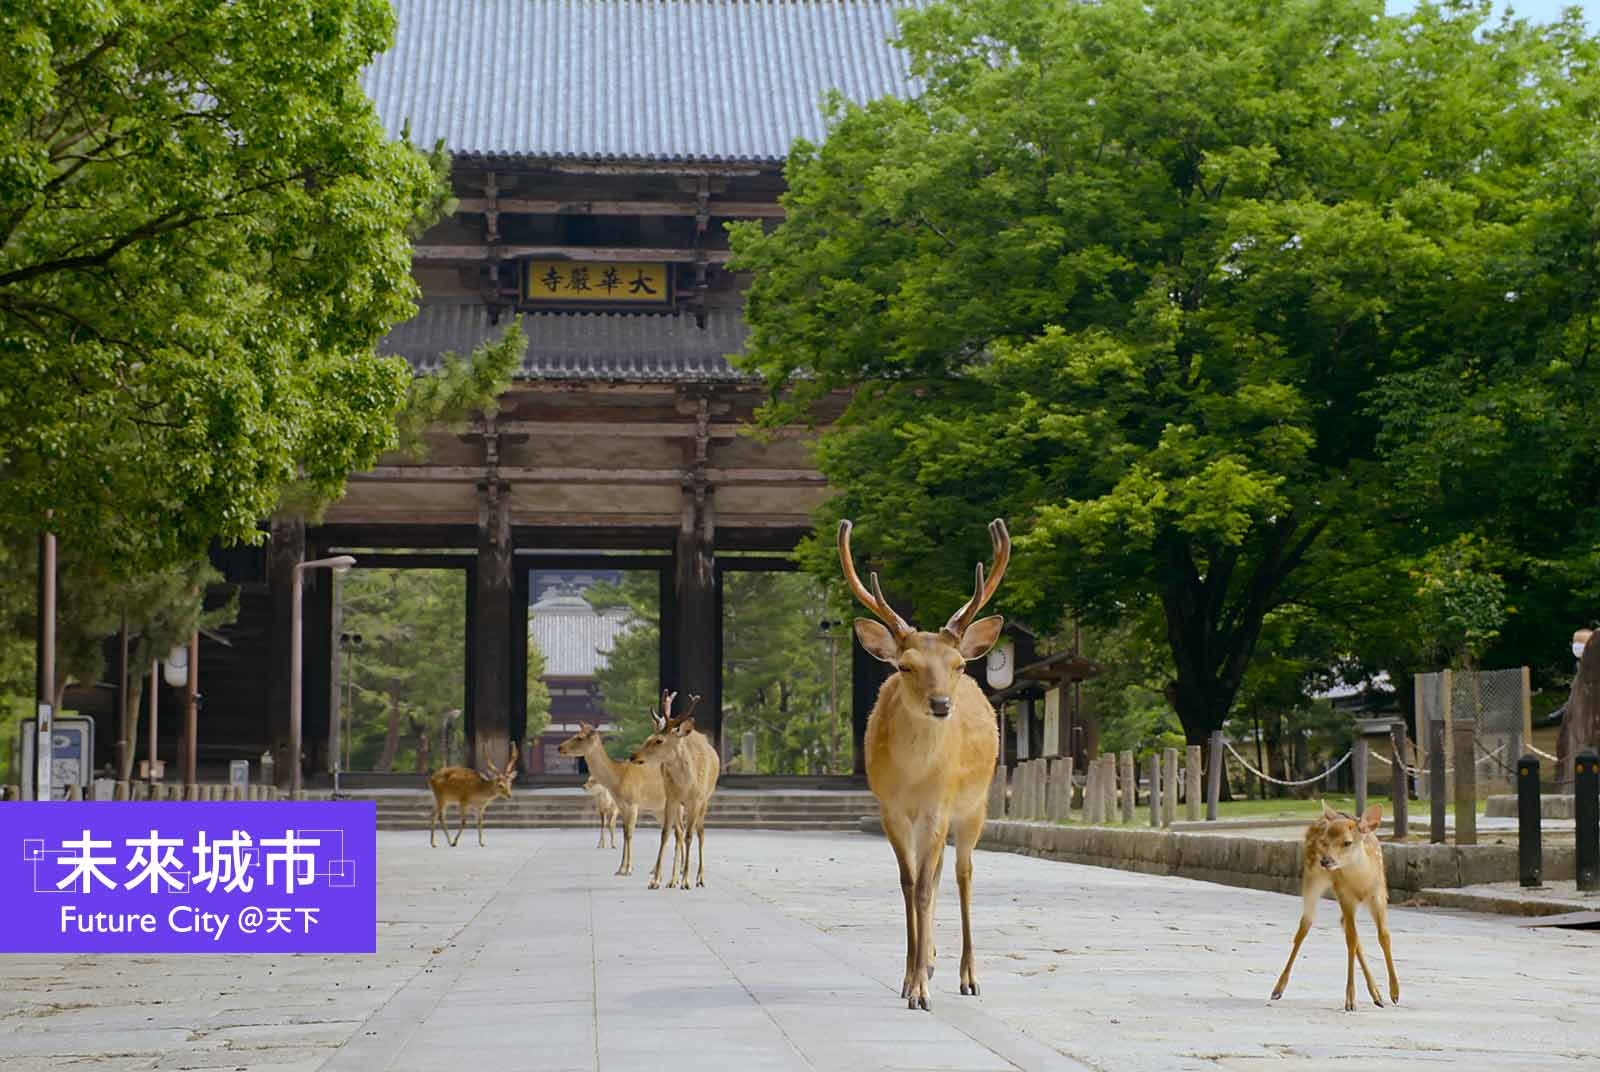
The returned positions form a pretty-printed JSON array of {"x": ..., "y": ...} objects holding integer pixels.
[{"x": 1537, "y": 10}]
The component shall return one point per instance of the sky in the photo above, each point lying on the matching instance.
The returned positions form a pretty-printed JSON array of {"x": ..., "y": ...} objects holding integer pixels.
[{"x": 1536, "y": 10}]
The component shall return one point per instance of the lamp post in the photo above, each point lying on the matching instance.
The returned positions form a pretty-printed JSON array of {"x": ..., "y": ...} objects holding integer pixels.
[
  {"x": 339, "y": 563},
  {"x": 827, "y": 627}
]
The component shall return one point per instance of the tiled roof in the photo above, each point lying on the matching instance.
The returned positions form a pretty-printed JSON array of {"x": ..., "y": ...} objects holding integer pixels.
[
  {"x": 573, "y": 637},
  {"x": 656, "y": 80},
  {"x": 583, "y": 346}
]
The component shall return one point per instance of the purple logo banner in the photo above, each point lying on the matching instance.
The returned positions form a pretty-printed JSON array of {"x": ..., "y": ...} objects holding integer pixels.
[{"x": 201, "y": 877}]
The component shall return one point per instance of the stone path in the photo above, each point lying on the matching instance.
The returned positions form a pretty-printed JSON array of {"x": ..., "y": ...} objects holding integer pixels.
[{"x": 531, "y": 955}]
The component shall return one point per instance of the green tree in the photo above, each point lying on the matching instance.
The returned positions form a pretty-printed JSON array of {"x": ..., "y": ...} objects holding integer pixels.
[
  {"x": 203, "y": 233},
  {"x": 630, "y": 680},
  {"x": 1166, "y": 284}
]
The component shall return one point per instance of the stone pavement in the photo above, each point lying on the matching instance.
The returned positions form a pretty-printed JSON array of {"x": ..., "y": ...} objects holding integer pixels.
[{"x": 530, "y": 955}]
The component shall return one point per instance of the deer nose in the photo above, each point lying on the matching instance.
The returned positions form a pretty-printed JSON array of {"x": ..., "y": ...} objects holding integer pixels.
[
  {"x": 939, "y": 705},
  {"x": 1327, "y": 861}
]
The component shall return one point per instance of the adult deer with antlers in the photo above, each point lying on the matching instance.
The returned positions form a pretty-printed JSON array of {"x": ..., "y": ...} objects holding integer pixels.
[
  {"x": 931, "y": 745},
  {"x": 468, "y": 788},
  {"x": 631, "y": 785},
  {"x": 689, "y": 768}
]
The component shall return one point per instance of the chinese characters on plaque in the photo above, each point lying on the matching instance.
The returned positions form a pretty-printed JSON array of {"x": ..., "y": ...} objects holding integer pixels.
[{"x": 597, "y": 283}]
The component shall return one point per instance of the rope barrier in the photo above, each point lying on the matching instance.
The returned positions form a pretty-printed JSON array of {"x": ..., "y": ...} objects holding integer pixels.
[
  {"x": 1542, "y": 754},
  {"x": 1279, "y": 781}
]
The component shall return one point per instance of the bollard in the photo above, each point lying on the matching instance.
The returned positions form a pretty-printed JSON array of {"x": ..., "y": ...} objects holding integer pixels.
[
  {"x": 997, "y": 792},
  {"x": 1110, "y": 784},
  {"x": 1091, "y": 791},
  {"x": 1462, "y": 735},
  {"x": 1061, "y": 789},
  {"x": 1586, "y": 810},
  {"x": 1169, "y": 786},
  {"x": 1399, "y": 783},
  {"x": 1358, "y": 771},
  {"x": 1155, "y": 790},
  {"x": 1191, "y": 783},
  {"x": 1530, "y": 851},
  {"x": 1436, "y": 766},
  {"x": 1214, "y": 777}
]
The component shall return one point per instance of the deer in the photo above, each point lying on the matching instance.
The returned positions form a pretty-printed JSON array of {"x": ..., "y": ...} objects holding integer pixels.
[
  {"x": 931, "y": 744},
  {"x": 468, "y": 788},
  {"x": 632, "y": 786},
  {"x": 689, "y": 769},
  {"x": 1342, "y": 853},
  {"x": 606, "y": 806}
]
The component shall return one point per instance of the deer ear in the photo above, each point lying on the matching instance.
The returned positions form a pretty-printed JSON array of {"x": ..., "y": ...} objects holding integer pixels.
[
  {"x": 878, "y": 641},
  {"x": 980, "y": 636},
  {"x": 1327, "y": 812},
  {"x": 685, "y": 727},
  {"x": 1373, "y": 816}
]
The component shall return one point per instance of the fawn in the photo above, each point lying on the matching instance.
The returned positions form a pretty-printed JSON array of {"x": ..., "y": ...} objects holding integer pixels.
[
  {"x": 468, "y": 788},
  {"x": 1342, "y": 852},
  {"x": 930, "y": 746},
  {"x": 689, "y": 769},
  {"x": 606, "y": 805},
  {"x": 630, "y": 785}
]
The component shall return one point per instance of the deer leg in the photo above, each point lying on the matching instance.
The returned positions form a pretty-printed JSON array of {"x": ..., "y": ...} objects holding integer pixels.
[
  {"x": 1310, "y": 891},
  {"x": 630, "y": 815},
  {"x": 655, "y": 874},
  {"x": 700, "y": 834},
  {"x": 461, "y": 826},
  {"x": 1379, "y": 907},
  {"x": 967, "y": 834},
  {"x": 481, "y": 809},
  {"x": 433, "y": 824},
  {"x": 927, "y": 892},
  {"x": 1354, "y": 955},
  {"x": 908, "y": 890}
]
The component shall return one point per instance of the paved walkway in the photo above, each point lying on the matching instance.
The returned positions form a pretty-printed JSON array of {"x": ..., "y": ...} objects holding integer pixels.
[{"x": 531, "y": 955}]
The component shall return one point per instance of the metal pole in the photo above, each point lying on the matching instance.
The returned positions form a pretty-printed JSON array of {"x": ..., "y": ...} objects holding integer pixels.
[
  {"x": 1530, "y": 854},
  {"x": 296, "y": 588},
  {"x": 155, "y": 688},
  {"x": 191, "y": 715},
  {"x": 45, "y": 658},
  {"x": 1399, "y": 782},
  {"x": 1214, "y": 777}
]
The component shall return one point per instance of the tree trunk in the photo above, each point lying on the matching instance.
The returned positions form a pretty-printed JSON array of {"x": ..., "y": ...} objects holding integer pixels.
[
  {"x": 391, "y": 737},
  {"x": 421, "y": 731}
]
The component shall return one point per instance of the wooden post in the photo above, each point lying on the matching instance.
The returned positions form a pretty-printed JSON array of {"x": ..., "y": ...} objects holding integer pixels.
[
  {"x": 1169, "y": 786},
  {"x": 1358, "y": 764},
  {"x": 191, "y": 713},
  {"x": 1400, "y": 782},
  {"x": 1061, "y": 789},
  {"x": 286, "y": 549},
  {"x": 1214, "y": 777},
  {"x": 997, "y": 792},
  {"x": 1130, "y": 787},
  {"x": 1109, "y": 784},
  {"x": 1466, "y": 796},
  {"x": 1155, "y": 790},
  {"x": 1436, "y": 781},
  {"x": 1191, "y": 784}
]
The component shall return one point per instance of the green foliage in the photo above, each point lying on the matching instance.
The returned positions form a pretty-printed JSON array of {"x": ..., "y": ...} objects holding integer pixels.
[
  {"x": 409, "y": 675},
  {"x": 1462, "y": 602},
  {"x": 1233, "y": 307},
  {"x": 460, "y": 389},
  {"x": 775, "y": 676},
  {"x": 203, "y": 233},
  {"x": 538, "y": 694}
]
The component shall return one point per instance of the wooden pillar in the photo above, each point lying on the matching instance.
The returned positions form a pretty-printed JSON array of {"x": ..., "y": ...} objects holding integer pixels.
[
  {"x": 285, "y": 550},
  {"x": 320, "y": 637},
  {"x": 699, "y": 621},
  {"x": 867, "y": 676},
  {"x": 488, "y": 718},
  {"x": 333, "y": 746}
]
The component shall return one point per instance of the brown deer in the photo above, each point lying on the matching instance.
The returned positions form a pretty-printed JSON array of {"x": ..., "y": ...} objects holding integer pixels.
[
  {"x": 632, "y": 786},
  {"x": 931, "y": 744},
  {"x": 1342, "y": 852},
  {"x": 605, "y": 805},
  {"x": 468, "y": 788},
  {"x": 689, "y": 769}
]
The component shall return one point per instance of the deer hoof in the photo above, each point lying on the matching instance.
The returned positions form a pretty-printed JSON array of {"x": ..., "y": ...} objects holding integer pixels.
[
  {"x": 969, "y": 990},
  {"x": 919, "y": 1002},
  {"x": 1349, "y": 1005}
]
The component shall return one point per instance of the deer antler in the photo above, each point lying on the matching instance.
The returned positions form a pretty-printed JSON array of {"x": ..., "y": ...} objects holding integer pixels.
[
  {"x": 660, "y": 718},
  {"x": 694, "y": 701},
  {"x": 983, "y": 592},
  {"x": 874, "y": 600},
  {"x": 511, "y": 764}
]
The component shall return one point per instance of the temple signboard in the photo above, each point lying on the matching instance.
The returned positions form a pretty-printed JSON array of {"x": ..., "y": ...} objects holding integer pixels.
[{"x": 569, "y": 284}]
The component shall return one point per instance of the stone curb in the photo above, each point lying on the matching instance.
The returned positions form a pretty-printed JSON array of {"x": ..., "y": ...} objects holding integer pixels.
[{"x": 1252, "y": 862}]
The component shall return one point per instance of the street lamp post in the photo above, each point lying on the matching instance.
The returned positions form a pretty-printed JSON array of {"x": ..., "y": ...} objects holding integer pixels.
[{"x": 337, "y": 562}]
